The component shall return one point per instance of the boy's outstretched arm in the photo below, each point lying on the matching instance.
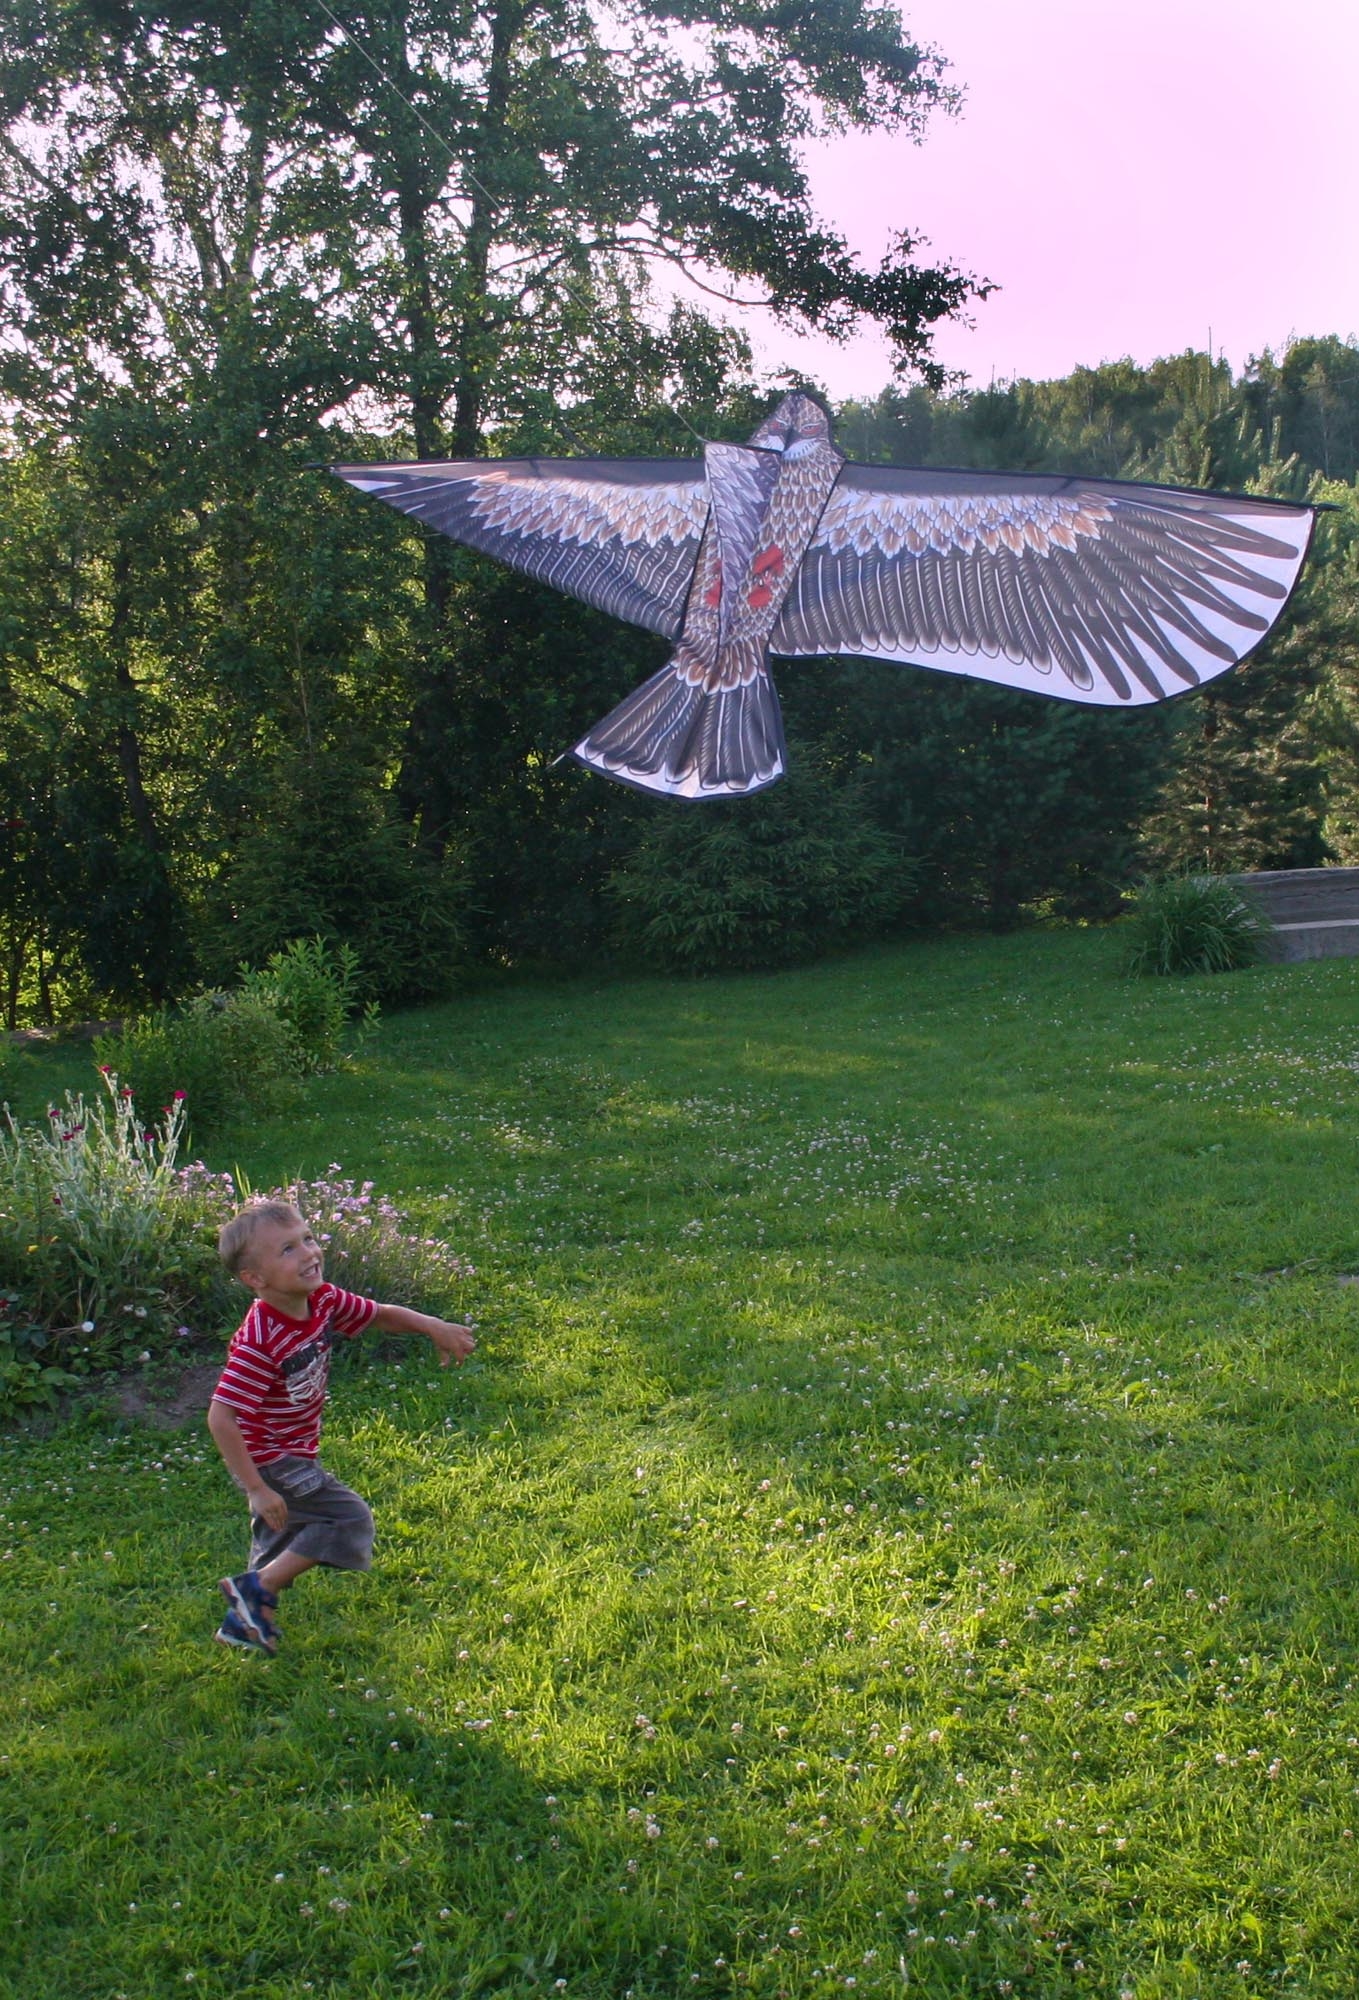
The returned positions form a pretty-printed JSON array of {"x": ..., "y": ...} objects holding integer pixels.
[
  {"x": 226, "y": 1435},
  {"x": 454, "y": 1342}
]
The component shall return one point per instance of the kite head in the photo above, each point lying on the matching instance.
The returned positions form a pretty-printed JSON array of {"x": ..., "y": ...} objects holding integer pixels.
[{"x": 799, "y": 419}]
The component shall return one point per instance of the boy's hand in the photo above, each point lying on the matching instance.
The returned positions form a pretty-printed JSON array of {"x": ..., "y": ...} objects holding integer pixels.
[
  {"x": 270, "y": 1506},
  {"x": 454, "y": 1342}
]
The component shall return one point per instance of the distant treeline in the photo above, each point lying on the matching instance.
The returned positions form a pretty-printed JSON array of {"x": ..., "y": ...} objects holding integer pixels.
[{"x": 241, "y": 705}]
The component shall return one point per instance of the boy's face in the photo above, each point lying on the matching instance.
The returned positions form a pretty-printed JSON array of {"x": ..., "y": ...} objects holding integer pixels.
[{"x": 284, "y": 1260}]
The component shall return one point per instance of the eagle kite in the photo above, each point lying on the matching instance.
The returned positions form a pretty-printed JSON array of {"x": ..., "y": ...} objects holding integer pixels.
[{"x": 1092, "y": 590}]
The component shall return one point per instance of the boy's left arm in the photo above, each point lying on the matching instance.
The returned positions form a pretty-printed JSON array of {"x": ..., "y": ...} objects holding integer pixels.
[{"x": 454, "y": 1342}]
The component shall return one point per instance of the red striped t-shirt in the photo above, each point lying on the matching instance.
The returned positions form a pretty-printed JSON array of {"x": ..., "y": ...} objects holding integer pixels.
[{"x": 277, "y": 1369}]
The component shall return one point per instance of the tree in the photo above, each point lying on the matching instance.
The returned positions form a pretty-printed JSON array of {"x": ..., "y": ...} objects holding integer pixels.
[
  {"x": 1007, "y": 803},
  {"x": 1328, "y": 627},
  {"x": 1312, "y": 394},
  {"x": 224, "y": 229}
]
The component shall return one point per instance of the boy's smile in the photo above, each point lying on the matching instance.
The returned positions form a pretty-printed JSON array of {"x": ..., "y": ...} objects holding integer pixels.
[{"x": 284, "y": 1265}]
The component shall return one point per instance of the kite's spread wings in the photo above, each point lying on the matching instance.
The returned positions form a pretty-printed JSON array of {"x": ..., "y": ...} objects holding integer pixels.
[
  {"x": 621, "y": 534},
  {"x": 1089, "y": 589}
]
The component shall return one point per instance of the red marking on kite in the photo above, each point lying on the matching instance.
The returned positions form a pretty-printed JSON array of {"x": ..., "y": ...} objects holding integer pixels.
[
  {"x": 769, "y": 562},
  {"x": 759, "y": 597}
]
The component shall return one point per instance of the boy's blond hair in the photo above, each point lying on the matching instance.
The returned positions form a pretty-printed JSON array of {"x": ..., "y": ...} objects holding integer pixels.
[{"x": 234, "y": 1238}]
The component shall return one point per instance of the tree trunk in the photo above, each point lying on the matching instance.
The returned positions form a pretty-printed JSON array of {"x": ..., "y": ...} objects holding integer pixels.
[
  {"x": 160, "y": 906},
  {"x": 431, "y": 773}
]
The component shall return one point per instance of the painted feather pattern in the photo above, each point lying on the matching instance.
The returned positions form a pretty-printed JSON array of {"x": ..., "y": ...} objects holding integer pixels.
[
  {"x": 1097, "y": 591},
  {"x": 622, "y": 534}
]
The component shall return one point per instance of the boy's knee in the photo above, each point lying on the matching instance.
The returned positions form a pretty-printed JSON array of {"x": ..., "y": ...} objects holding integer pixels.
[{"x": 356, "y": 1525}]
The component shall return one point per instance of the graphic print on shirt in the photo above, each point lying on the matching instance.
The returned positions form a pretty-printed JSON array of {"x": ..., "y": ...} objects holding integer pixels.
[{"x": 305, "y": 1373}]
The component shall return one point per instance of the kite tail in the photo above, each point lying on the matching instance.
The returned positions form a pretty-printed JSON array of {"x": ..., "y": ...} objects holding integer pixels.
[{"x": 694, "y": 732}]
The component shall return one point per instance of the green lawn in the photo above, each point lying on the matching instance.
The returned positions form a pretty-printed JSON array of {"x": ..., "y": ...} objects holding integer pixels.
[{"x": 897, "y": 1534}]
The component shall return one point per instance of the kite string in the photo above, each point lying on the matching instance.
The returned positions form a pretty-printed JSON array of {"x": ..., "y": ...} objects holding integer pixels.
[{"x": 419, "y": 117}]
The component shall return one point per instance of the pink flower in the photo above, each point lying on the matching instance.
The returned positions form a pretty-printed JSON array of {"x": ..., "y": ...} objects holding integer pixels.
[{"x": 180, "y": 1096}]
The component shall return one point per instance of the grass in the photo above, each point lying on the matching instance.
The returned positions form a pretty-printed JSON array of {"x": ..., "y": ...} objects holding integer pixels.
[{"x": 897, "y": 1534}]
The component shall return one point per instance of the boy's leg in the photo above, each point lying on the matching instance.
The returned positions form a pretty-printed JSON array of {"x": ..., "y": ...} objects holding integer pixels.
[
  {"x": 253, "y": 1595},
  {"x": 284, "y": 1569},
  {"x": 327, "y": 1524}
]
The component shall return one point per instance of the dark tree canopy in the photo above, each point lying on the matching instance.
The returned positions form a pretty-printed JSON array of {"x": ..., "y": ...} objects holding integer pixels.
[{"x": 227, "y": 229}]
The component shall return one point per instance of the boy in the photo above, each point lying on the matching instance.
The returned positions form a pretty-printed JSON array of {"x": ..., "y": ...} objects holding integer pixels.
[{"x": 265, "y": 1415}]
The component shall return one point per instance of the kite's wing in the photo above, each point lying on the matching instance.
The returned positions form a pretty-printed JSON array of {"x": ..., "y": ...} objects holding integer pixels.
[
  {"x": 622, "y": 534},
  {"x": 1092, "y": 590}
]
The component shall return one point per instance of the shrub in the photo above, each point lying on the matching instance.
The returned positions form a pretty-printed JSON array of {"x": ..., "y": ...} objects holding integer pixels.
[
  {"x": 371, "y": 1248},
  {"x": 1194, "y": 923},
  {"x": 108, "y": 1251},
  {"x": 94, "y": 1259},
  {"x": 750, "y": 883},
  {"x": 369, "y": 1245},
  {"x": 228, "y": 1056},
  {"x": 314, "y": 988},
  {"x": 330, "y": 854}
]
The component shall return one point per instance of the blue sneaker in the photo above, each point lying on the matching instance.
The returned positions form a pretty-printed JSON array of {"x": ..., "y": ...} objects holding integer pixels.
[
  {"x": 231, "y": 1632},
  {"x": 252, "y": 1604}
]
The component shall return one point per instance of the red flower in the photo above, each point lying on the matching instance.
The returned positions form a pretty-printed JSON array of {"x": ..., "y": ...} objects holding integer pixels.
[{"x": 180, "y": 1096}]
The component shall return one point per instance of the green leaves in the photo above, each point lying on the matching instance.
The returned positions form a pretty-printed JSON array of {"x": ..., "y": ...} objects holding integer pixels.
[
  {"x": 1194, "y": 923},
  {"x": 760, "y": 882}
]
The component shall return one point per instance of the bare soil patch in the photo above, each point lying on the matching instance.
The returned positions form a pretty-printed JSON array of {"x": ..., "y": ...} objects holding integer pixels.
[{"x": 168, "y": 1404}]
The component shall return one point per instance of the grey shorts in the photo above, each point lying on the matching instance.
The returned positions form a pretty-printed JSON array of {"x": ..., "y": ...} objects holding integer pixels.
[{"x": 326, "y": 1521}]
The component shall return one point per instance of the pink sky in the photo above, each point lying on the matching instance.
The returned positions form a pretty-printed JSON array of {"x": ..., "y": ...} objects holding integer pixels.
[{"x": 1134, "y": 178}]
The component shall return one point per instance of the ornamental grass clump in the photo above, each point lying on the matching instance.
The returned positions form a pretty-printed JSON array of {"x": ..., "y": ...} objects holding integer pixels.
[
  {"x": 1194, "y": 923},
  {"x": 93, "y": 1248}
]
